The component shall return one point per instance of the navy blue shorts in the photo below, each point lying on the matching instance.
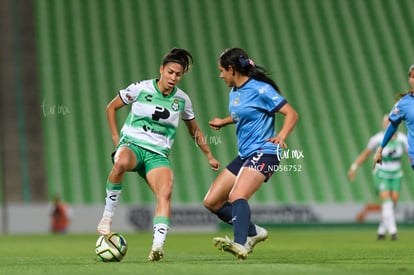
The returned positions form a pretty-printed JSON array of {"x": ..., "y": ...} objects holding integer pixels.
[{"x": 264, "y": 163}]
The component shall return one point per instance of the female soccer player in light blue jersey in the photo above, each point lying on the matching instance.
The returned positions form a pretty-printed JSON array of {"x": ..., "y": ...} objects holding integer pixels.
[
  {"x": 146, "y": 140},
  {"x": 254, "y": 101},
  {"x": 402, "y": 110}
]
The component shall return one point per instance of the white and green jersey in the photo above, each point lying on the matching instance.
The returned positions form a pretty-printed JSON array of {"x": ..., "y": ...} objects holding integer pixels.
[
  {"x": 391, "y": 154},
  {"x": 153, "y": 120}
]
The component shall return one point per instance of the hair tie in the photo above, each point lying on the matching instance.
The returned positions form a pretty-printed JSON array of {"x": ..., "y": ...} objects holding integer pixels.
[
  {"x": 244, "y": 62},
  {"x": 251, "y": 62}
]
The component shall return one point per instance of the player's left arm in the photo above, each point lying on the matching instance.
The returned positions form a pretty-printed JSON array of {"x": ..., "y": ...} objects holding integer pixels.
[
  {"x": 291, "y": 117},
  {"x": 200, "y": 140}
]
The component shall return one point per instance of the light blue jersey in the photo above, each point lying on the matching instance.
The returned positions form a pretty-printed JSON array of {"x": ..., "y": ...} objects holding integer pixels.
[
  {"x": 253, "y": 107},
  {"x": 404, "y": 110}
]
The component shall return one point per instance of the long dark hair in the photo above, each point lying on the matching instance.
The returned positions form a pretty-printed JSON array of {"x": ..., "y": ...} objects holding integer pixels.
[
  {"x": 240, "y": 62},
  {"x": 180, "y": 56},
  {"x": 411, "y": 91},
  {"x": 401, "y": 95}
]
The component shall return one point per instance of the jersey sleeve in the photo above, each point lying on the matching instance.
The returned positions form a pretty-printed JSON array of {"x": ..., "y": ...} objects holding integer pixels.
[
  {"x": 374, "y": 141},
  {"x": 271, "y": 100},
  {"x": 187, "y": 113},
  {"x": 396, "y": 115},
  {"x": 403, "y": 138},
  {"x": 130, "y": 94}
]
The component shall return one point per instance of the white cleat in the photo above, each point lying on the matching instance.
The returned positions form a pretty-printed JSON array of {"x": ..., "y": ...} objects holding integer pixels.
[
  {"x": 253, "y": 240},
  {"x": 104, "y": 226},
  {"x": 156, "y": 254},
  {"x": 225, "y": 244}
]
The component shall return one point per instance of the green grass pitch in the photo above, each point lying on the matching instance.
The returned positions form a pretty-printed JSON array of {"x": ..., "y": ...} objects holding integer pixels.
[{"x": 287, "y": 251}]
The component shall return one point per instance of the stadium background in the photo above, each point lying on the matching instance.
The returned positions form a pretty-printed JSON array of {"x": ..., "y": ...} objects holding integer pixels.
[{"x": 339, "y": 63}]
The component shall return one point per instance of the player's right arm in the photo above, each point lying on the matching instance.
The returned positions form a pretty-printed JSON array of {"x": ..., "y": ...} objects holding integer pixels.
[
  {"x": 217, "y": 123},
  {"x": 363, "y": 156},
  {"x": 111, "y": 109}
]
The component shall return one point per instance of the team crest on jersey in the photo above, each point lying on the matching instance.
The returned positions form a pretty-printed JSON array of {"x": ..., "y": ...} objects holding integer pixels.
[
  {"x": 175, "y": 105},
  {"x": 236, "y": 101}
]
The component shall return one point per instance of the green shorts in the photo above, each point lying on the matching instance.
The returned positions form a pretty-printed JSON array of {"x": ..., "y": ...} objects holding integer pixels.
[
  {"x": 387, "y": 184},
  {"x": 146, "y": 159}
]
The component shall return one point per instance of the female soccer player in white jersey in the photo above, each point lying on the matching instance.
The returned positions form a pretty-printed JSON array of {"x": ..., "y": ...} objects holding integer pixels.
[
  {"x": 387, "y": 177},
  {"x": 254, "y": 101},
  {"x": 146, "y": 138}
]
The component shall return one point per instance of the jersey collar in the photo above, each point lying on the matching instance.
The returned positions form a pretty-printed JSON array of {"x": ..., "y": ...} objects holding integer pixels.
[
  {"x": 154, "y": 82},
  {"x": 244, "y": 84}
]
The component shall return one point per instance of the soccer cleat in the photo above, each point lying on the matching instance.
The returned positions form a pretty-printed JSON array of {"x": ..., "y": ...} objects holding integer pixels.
[
  {"x": 156, "y": 254},
  {"x": 394, "y": 237},
  {"x": 104, "y": 226},
  {"x": 380, "y": 237},
  {"x": 225, "y": 244},
  {"x": 261, "y": 235}
]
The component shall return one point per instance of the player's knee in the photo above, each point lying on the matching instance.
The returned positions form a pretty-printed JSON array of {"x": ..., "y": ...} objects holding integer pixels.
[
  {"x": 164, "y": 195},
  {"x": 120, "y": 166},
  {"x": 164, "y": 201},
  {"x": 208, "y": 204},
  {"x": 213, "y": 204}
]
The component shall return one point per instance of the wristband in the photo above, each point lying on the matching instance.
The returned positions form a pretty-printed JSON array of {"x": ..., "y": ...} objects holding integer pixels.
[{"x": 354, "y": 166}]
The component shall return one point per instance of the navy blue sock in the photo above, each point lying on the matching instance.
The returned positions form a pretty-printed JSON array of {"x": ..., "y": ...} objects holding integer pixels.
[
  {"x": 225, "y": 214},
  {"x": 241, "y": 220}
]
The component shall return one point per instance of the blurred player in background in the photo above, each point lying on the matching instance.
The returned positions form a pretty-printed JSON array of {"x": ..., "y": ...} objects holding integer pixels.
[
  {"x": 146, "y": 139},
  {"x": 254, "y": 101},
  {"x": 387, "y": 177},
  {"x": 61, "y": 214}
]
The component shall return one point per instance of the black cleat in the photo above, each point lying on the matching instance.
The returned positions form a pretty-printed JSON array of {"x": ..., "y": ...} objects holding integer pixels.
[{"x": 380, "y": 237}]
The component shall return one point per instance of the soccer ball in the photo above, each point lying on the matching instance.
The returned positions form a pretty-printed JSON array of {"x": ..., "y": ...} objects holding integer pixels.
[{"x": 111, "y": 248}]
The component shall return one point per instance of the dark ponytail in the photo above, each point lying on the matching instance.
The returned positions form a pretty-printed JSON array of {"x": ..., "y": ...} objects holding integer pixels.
[
  {"x": 180, "y": 56},
  {"x": 411, "y": 91},
  {"x": 401, "y": 95},
  {"x": 240, "y": 62}
]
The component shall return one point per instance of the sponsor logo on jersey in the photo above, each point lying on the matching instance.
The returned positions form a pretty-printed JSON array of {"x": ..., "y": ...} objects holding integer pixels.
[
  {"x": 148, "y": 98},
  {"x": 152, "y": 130}
]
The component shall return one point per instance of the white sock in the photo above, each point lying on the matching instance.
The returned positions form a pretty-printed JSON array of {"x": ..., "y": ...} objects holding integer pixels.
[
  {"x": 388, "y": 216},
  {"x": 160, "y": 234},
  {"x": 111, "y": 202},
  {"x": 381, "y": 228}
]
